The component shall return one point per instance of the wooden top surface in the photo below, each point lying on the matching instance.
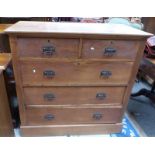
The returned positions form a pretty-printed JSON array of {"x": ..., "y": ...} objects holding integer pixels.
[
  {"x": 75, "y": 28},
  {"x": 3, "y": 27},
  {"x": 5, "y": 58}
]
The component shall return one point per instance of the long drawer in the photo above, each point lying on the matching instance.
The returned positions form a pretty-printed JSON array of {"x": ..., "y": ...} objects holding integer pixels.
[
  {"x": 75, "y": 73},
  {"x": 50, "y": 116},
  {"x": 73, "y": 95},
  {"x": 110, "y": 49},
  {"x": 48, "y": 47}
]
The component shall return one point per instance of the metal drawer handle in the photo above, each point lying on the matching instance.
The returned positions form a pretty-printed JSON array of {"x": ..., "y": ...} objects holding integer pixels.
[
  {"x": 101, "y": 96},
  {"x": 97, "y": 116},
  {"x": 49, "y": 73},
  {"x": 49, "y": 97},
  {"x": 49, "y": 117},
  {"x": 109, "y": 51},
  {"x": 48, "y": 50},
  {"x": 105, "y": 74}
]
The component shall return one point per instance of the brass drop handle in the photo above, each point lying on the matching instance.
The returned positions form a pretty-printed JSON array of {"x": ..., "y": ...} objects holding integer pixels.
[
  {"x": 97, "y": 116},
  {"x": 48, "y": 50},
  {"x": 49, "y": 97},
  {"x": 109, "y": 51},
  {"x": 49, "y": 73},
  {"x": 49, "y": 117},
  {"x": 101, "y": 96},
  {"x": 105, "y": 74}
]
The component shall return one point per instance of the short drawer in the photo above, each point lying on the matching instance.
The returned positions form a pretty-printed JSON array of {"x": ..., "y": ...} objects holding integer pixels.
[
  {"x": 110, "y": 49},
  {"x": 47, "y": 47},
  {"x": 75, "y": 73},
  {"x": 74, "y": 95},
  {"x": 49, "y": 116}
]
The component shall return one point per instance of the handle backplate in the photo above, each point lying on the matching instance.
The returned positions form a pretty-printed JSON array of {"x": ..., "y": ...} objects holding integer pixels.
[
  {"x": 97, "y": 116},
  {"x": 109, "y": 51},
  {"x": 105, "y": 74},
  {"x": 48, "y": 50},
  {"x": 49, "y": 117},
  {"x": 49, "y": 97},
  {"x": 101, "y": 96},
  {"x": 48, "y": 73}
]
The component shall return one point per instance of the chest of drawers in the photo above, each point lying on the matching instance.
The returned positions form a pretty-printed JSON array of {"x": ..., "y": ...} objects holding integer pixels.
[{"x": 74, "y": 78}]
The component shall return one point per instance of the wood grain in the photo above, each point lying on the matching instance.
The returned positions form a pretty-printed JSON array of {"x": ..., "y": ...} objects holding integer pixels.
[
  {"x": 73, "y": 73},
  {"x": 74, "y": 95},
  {"x": 75, "y": 28},
  {"x": 33, "y": 47},
  {"x": 65, "y": 130},
  {"x": 133, "y": 75},
  {"x": 36, "y": 116},
  {"x": 96, "y": 48},
  {"x": 5, "y": 59},
  {"x": 6, "y": 126},
  {"x": 16, "y": 68},
  {"x": 3, "y": 27}
]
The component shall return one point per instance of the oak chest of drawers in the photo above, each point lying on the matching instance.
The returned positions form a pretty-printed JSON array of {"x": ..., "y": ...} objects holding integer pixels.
[{"x": 74, "y": 78}]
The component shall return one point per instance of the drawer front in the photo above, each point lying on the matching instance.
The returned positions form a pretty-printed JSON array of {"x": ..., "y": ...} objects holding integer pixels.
[
  {"x": 47, "y": 47},
  {"x": 49, "y": 116},
  {"x": 73, "y": 95},
  {"x": 110, "y": 49},
  {"x": 76, "y": 73}
]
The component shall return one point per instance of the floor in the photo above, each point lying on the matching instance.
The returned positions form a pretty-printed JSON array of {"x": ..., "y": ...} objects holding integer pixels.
[{"x": 143, "y": 110}]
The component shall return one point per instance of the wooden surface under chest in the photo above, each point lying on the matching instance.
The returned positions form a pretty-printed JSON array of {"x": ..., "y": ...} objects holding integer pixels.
[{"x": 6, "y": 126}]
